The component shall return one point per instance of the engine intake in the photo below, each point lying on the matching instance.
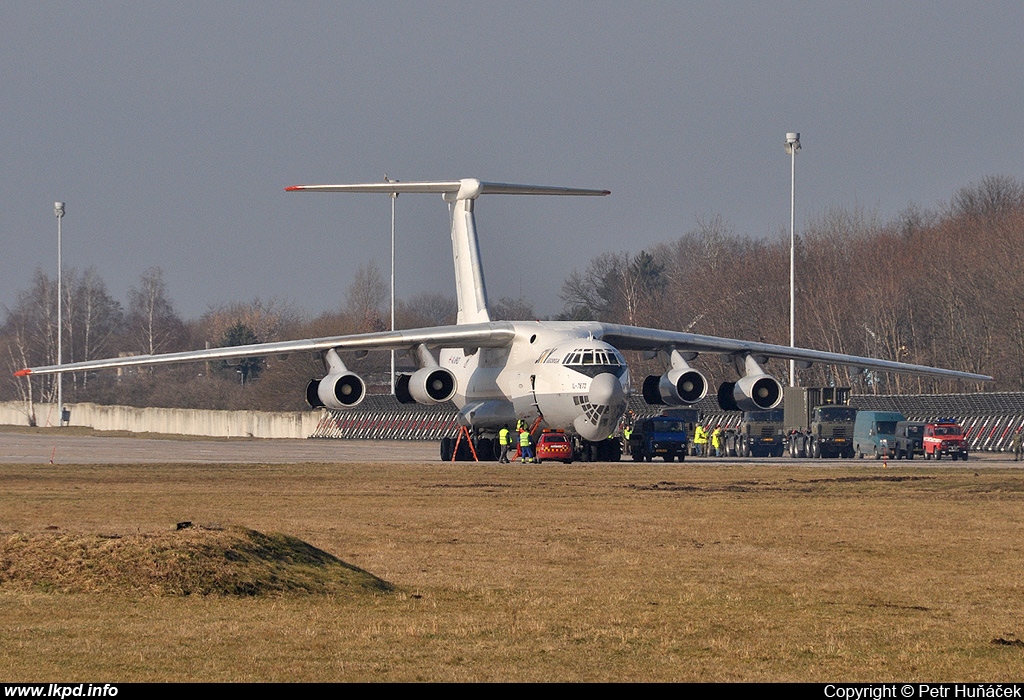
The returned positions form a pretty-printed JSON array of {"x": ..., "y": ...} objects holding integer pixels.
[
  {"x": 677, "y": 387},
  {"x": 429, "y": 385},
  {"x": 337, "y": 390},
  {"x": 757, "y": 392}
]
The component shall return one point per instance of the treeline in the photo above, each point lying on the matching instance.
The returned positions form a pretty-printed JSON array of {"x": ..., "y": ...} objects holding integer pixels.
[
  {"x": 936, "y": 288},
  {"x": 95, "y": 325},
  {"x": 940, "y": 288}
]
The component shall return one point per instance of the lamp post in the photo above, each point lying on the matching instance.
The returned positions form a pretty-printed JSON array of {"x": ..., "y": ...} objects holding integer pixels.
[
  {"x": 58, "y": 209},
  {"x": 792, "y": 146},
  {"x": 394, "y": 199}
]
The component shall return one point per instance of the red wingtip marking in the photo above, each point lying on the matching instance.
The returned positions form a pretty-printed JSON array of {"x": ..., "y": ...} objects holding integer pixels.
[
  {"x": 23, "y": 373},
  {"x": 292, "y": 188}
]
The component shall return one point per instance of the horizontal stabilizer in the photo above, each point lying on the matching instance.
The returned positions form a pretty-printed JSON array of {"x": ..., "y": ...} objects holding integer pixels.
[{"x": 464, "y": 189}]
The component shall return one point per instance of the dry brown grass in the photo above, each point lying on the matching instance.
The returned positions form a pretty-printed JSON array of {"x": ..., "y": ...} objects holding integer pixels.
[
  {"x": 189, "y": 560},
  {"x": 585, "y": 572}
]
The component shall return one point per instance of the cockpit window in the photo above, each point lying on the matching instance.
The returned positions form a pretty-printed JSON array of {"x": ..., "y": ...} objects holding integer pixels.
[{"x": 593, "y": 361}]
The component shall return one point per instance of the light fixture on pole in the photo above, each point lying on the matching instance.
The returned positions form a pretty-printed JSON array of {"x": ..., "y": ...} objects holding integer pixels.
[
  {"x": 58, "y": 209},
  {"x": 792, "y": 146},
  {"x": 394, "y": 199}
]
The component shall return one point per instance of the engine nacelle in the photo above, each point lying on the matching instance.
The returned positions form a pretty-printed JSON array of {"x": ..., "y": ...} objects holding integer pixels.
[
  {"x": 757, "y": 392},
  {"x": 677, "y": 387},
  {"x": 337, "y": 390},
  {"x": 429, "y": 385}
]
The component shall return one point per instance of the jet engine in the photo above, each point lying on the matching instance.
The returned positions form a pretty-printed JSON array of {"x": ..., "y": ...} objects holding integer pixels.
[
  {"x": 429, "y": 385},
  {"x": 754, "y": 392},
  {"x": 336, "y": 390},
  {"x": 677, "y": 387},
  {"x": 758, "y": 392}
]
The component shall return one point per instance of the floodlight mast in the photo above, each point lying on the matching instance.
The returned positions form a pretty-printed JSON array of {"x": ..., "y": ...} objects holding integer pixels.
[
  {"x": 394, "y": 199},
  {"x": 58, "y": 210},
  {"x": 792, "y": 146}
]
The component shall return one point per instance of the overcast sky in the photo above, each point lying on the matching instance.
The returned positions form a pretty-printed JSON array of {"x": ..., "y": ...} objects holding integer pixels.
[{"x": 171, "y": 130}]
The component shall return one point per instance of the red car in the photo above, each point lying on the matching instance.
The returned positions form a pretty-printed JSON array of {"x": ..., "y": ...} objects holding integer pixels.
[{"x": 553, "y": 446}]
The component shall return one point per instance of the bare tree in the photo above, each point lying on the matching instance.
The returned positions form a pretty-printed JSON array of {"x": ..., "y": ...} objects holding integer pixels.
[
  {"x": 152, "y": 323},
  {"x": 426, "y": 309},
  {"x": 366, "y": 299},
  {"x": 509, "y": 309}
]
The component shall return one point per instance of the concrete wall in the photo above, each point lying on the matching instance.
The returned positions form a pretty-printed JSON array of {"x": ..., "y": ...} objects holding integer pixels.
[{"x": 180, "y": 421}]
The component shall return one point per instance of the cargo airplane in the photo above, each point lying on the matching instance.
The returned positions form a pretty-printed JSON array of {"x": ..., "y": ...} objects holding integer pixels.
[{"x": 552, "y": 374}]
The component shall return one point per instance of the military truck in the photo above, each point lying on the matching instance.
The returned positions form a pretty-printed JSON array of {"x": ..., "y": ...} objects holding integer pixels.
[
  {"x": 661, "y": 436},
  {"x": 760, "y": 434},
  {"x": 909, "y": 439},
  {"x": 819, "y": 421}
]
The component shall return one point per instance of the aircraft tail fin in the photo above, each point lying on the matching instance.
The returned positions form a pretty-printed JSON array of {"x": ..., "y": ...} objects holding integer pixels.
[{"x": 471, "y": 291}]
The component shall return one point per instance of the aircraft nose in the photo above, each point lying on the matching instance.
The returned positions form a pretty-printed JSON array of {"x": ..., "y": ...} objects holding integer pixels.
[{"x": 605, "y": 390}]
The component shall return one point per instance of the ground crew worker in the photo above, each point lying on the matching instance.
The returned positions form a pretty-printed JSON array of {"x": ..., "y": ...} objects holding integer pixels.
[
  {"x": 716, "y": 440},
  {"x": 700, "y": 439},
  {"x": 525, "y": 451},
  {"x": 505, "y": 442},
  {"x": 1017, "y": 445},
  {"x": 626, "y": 432}
]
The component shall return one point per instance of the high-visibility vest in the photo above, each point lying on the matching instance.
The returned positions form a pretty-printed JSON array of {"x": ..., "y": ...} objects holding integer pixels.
[
  {"x": 503, "y": 436},
  {"x": 524, "y": 439}
]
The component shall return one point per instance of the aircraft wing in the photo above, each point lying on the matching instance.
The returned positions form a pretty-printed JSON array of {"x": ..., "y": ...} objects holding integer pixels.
[
  {"x": 477, "y": 335},
  {"x": 635, "y": 338}
]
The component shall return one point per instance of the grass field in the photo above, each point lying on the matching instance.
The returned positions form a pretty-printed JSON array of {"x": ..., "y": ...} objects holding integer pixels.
[{"x": 692, "y": 572}]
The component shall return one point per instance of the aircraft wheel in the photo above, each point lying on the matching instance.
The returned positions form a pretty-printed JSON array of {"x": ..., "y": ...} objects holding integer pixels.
[
  {"x": 446, "y": 449},
  {"x": 463, "y": 453},
  {"x": 910, "y": 454},
  {"x": 484, "y": 449},
  {"x": 637, "y": 456},
  {"x": 964, "y": 456},
  {"x": 614, "y": 450}
]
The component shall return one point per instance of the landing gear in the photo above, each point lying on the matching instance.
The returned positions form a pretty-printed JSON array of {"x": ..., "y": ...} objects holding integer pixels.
[
  {"x": 609, "y": 450},
  {"x": 487, "y": 449}
]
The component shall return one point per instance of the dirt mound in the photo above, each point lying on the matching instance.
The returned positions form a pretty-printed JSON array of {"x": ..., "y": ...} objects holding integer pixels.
[{"x": 190, "y": 561}]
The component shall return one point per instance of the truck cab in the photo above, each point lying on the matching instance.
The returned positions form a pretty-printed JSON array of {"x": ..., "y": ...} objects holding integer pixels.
[
  {"x": 760, "y": 434},
  {"x": 690, "y": 417},
  {"x": 661, "y": 436}
]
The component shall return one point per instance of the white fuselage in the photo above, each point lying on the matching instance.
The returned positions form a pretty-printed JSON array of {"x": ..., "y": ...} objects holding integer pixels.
[{"x": 555, "y": 371}]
